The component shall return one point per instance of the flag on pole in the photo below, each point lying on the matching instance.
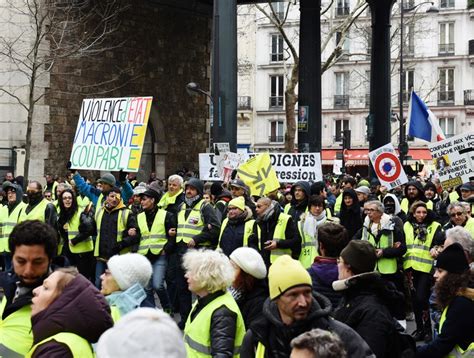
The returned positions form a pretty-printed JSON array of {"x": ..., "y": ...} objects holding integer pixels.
[{"x": 423, "y": 123}]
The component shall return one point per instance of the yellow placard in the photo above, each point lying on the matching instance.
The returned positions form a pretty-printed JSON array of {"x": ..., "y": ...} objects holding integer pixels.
[{"x": 259, "y": 175}]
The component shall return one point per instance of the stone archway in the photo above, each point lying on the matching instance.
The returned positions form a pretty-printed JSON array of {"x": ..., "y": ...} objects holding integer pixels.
[{"x": 155, "y": 148}]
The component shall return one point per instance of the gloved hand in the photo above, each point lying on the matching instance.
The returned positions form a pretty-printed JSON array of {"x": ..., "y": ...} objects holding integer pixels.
[
  {"x": 68, "y": 167},
  {"x": 117, "y": 248},
  {"x": 122, "y": 176}
]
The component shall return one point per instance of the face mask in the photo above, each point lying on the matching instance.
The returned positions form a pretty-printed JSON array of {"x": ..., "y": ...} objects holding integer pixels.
[
  {"x": 390, "y": 208},
  {"x": 34, "y": 196}
]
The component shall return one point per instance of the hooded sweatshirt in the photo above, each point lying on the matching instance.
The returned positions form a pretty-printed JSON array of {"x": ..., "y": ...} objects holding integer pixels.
[
  {"x": 298, "y": 208},
  {"x": 351, "y": 217}
]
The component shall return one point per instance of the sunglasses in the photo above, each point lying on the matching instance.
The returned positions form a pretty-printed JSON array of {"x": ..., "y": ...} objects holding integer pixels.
[{"x": 456, "y": 214}]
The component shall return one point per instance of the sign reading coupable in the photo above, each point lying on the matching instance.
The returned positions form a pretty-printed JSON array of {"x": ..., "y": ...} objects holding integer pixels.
[
  {"x": 453, "y": 159},
  {"x": 110, "y": 134},
  {"x": 289, "y": 167}
]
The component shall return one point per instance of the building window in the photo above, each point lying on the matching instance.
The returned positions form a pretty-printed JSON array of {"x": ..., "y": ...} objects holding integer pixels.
[
  {"x": 409, "y": 41},
  {"x": 277, "y": 48},
  {"x": 446, "y": 4},
  {"x": 276, "y": 132},
  {"x": 367, "y": 89},
  {"x": 446, "y": 86},
  {"x": 447, "y": 126},
  {"x": 279, "y": 9},
  {"x": 446, "y": 38},
  {"x": 340, "y": 125},
  {"x": 341, "y": 98},
  {"x": 368, "y": 34},
  {"x": 407, "y": 4},
  {"x": 345, "y": 43},
  {"x": 342, "y": 8},
  {"x": 408, "y": 84},
  {"x": 276, "y": 91}
]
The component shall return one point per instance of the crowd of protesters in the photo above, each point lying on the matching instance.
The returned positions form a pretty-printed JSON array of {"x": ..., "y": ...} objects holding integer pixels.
[{"x": 313, "y": 269}]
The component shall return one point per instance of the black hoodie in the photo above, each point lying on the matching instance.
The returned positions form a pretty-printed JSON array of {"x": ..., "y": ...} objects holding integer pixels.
[
  {"x": 351, "y": 217},
  {"x": 298, "y": 208}
]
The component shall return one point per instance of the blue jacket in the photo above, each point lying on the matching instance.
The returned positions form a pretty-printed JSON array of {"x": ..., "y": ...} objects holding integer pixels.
[{"x": 93, "y": 193}]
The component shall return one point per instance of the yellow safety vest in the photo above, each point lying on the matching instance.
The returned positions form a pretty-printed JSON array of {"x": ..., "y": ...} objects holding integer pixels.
[
  {"x": 192, "y": 226},
  {"x": 457, "y": 351},
  {"x": 167, "y": 200},
  {"x": 82, "y": 202},
  {"x": 79, "y": 347},
  {"x": 384, "y": 265},
  {"x": 153, "y": 240},
  {"x": 16, "y": 336},
  {"x": 287, "y": 208},
  {"x": 404, "y": 205},
  {"x": 309, "y": 247},
  {"x": 337, "y": 205},
  {"x": 73, "y": 230},
  {"x": 36, "y": 214},
  {"x": 121, "y": 226},
  {"x": 53, "y": 189},
  {"x": 8, "y": 222},
  {"x": 197, "y": 333},
  {"x": 470, "y": 226},
  {"x": 248, "y": 230},
  {"x": 453, "y": 196},
  {"x": 115, "y": 313},
  {"x": 278, "y": 235},
  {"x": 418, "y": 255}
]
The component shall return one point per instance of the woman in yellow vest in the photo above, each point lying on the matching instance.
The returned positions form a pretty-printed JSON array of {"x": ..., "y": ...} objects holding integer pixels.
[
  {"x": 215, "y": 327},
  {"x": 422, "y": 233},
  {"x": 68, "y": 315},
  {"x": 456, "y": 300},
  {"x": 75, "y": 227}
]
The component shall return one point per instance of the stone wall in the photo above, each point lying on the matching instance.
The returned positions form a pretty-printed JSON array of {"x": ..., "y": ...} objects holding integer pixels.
[{"x": 163, "y": 49}]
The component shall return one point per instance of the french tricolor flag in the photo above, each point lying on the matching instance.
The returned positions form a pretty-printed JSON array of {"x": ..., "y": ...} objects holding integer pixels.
[{"x": 423, "y": 123}]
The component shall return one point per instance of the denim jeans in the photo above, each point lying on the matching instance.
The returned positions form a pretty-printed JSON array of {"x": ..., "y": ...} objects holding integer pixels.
[
  {"x": 158, "y": 281},
  {"x": 100, "y": 267}
]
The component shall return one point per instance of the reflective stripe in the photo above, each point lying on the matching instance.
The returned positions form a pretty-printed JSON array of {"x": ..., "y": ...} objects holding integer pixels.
[
  {"x": 419, "y": 247},
  {"x": 152, "y": 246},
  {"x": 197, "y": 346},
  {"x": 8, "y": 353},
  {"x": 419, "y": 259}
]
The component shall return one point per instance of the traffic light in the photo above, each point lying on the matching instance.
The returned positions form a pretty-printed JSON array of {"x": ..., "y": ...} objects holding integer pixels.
[{"x": 346, "y": 139}]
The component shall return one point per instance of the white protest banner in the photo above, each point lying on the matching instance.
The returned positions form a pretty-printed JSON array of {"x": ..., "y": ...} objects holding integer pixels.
[
  {"x": 289, "y": 167},
  {"x": 110, "y": 134},
  {"x": 387, "y": 166},
  {"x": 453, "y": 159},
  {"x": 336, "y": 167}
]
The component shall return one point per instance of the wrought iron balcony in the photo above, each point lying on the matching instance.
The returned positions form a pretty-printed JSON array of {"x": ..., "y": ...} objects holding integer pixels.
[
  {"x": 469, "y": 97},
  {"x": 275, "y": 139},
  {"x": 341, "y": 101},
  {"x": 445, "y": 98},
  {"x": 342, "y": 10},
  {"x": 276, "y": 101},
  {"x": 244, "y": 102},
  {"x": 446, "y": 49}
]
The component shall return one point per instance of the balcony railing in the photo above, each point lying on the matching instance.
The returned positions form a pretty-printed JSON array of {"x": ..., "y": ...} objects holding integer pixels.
[
  {"x": 445, "y": 97},
  {"x": 469, "y": 97},
  {"x": 342, "y": 10},
  {"x": 341, "y": 101},
  {"x": 275, "y": 139},
  {"x": 244, "y": 102},
  {"x": 446, "y": 49},
  {"x": 276, "y": 101}
]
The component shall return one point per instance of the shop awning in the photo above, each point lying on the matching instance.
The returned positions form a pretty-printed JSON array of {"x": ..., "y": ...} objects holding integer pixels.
[{"x": 361, "y": 156}]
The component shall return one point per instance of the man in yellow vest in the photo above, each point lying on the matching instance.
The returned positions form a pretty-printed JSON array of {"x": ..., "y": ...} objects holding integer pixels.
[
  {"x": 117, "y": 231},
  {"x": 414, "y": 192},
  {"x": 33, "y": 244},
  {"x": 301, "y": 191},
  {"x": 198, "y": 226},
  {"x": 158, "y": 240},
  {"x": 278, "y": 232},
  {"x": 51, "y": 185},
  {"x": 458, "y": 212},
  {"x": 9, "y": 215},
  {"x": 38, "y": 207},
  {"x": 291, "y": 309}
]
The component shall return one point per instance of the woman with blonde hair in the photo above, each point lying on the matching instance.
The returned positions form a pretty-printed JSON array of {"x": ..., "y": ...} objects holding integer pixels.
[
  {"x": 215, "y": 326},
  {"x": 68, "y": 315}
]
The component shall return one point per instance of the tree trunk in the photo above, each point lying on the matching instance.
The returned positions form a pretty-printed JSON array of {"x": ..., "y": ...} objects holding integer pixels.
[{"x": 290, "y": 102}]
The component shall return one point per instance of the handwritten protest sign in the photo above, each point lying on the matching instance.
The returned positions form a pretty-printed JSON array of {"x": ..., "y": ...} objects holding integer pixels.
[
  {"x": 227, "y": 162},
  {"x": 110, "y": 133},
  {"x": 453, "y": 159},
  {"x": 289, "y": 167}
]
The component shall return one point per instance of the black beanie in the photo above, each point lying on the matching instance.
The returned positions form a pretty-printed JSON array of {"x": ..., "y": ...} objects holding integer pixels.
[
  {"x": 216, "y": 188},
  {"x": 452, "y": 259},
  {"x": 360, "y": 256}
]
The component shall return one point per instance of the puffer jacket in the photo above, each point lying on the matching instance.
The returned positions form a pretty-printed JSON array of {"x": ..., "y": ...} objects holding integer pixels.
[
  {"x": 233, "y": 235},
  {"x": 276, "y": 336},
  {"x": 365, "y": 308},
  {"x": 80, "y": 309}
]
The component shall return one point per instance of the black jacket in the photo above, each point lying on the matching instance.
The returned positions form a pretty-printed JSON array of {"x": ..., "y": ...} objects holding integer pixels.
[
  {"x": 223, "y": 326},
  {"x": 299, "y": 208},
  {"x": 174, "y": 208},
  {"x": 267, "y": 229},
  {"x": 351, "y": 217},
  {"x": 233, "y": 235},
  {"x": 364, "y": 307},
  {"x": 276, "y": 336},
  {"x": 251, "y": 303},
  {"x": 438, "y": 238}
]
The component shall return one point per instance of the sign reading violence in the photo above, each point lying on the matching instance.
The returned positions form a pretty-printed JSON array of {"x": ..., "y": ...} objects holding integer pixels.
[
  {"x": 453, "y": 159},
  {"x": 289, "y": 167},
  {"x": 110, "y": 133}
]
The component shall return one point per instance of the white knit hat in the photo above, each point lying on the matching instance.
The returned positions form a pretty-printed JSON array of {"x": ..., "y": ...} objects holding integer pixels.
[
  {"x": 143, "y": 333},
  {"x": 129, "y": 269},
  {"x": 250, "y": 261}
]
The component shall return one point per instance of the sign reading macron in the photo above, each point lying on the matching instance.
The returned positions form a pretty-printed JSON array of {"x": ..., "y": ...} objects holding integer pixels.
[
  {"x": 110, "y": 134},
  {"x": 289, "y": 167}
]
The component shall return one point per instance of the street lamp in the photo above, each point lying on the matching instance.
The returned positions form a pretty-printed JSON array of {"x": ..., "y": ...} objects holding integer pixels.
[
  {"x": 194, "y": 89},
  {"x": 403, "y": 146}
]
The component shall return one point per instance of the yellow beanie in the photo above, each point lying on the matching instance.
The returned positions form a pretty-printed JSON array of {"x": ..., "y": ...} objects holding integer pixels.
[
  {"x": 286, "y": 273},
  {"x": 238, "y": 202}
]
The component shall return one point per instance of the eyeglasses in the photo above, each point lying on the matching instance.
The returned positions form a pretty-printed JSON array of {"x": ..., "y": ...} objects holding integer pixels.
[
  {"x": 369, "y": 210},
  {"x": 457, "y": 213}
]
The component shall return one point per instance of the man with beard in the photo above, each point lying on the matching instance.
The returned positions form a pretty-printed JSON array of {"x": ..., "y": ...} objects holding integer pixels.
[
  {"x": 38, "y": 207},
  {"x": 278, "y": 232},
  {"x": 239, "y": 228},
  {"x": 439, "y": 205},
  {"x": 301, "y": 191},
  {"x": 9, "y": 215},
  {"x": 32, "y": 245},
  {"x": 198, "y": 226},
  {"x": 414, "y": 192},
  {"x": 292, "y": 309}
]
